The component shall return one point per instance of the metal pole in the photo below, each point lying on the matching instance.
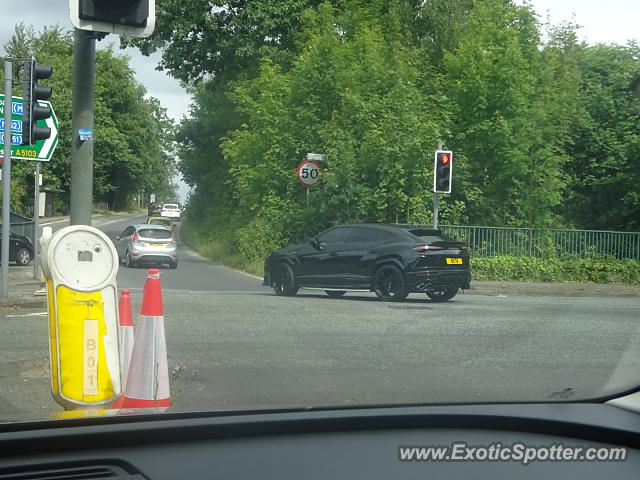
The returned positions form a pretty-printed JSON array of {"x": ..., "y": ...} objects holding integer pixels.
[
  {"x": 307, "y": 196},
  {"x": 6, "y": 178},
  {"x": 436, "y": 207},
  {"x": 36, "y": 220},
  {"x": 84, "y": 55},
  {"x": 436, "y": 201}
]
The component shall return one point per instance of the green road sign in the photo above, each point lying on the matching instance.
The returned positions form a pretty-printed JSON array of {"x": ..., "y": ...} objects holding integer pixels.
[{"x": 43, "y": 149}]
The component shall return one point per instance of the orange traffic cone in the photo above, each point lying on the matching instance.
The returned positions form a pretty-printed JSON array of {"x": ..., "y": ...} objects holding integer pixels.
[
  {"x": 148, "y": 375},
  {"x": 125, "y": 334}
]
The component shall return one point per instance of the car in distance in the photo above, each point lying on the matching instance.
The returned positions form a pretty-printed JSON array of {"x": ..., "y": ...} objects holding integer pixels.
[
  {"x": 163, "y": 221},
  {"x": 390, "y": 260},
  {"x": 20, "y": 249},
  {"x": 144, "y": 243},
  {"x": 155, "y": 208},
  {"x": 171, "y": 210}
]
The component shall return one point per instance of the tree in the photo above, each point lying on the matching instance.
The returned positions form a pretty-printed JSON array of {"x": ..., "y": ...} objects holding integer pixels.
[
  {"x": 604, "y": 170},
  {"x": 376, "y": 86},
  {"x": 133, "y": 137},
  {"x": 356, "y": 92},
  {"x": 512, "y": 115},
  {"x": 218, "y": 39}
]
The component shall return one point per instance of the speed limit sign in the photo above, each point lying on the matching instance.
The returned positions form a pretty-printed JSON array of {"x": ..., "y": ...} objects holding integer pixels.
[{"x": 308, "y": 173}]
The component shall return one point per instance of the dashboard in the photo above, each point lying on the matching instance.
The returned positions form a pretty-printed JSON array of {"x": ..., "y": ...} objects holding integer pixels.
[{"x": 372, "y": 443}]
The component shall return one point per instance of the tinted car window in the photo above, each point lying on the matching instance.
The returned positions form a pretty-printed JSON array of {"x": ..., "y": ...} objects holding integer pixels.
[
  {"x": 154, "y": 233},
  {"x": 158, "y": 221},
  {"x": 370, "y": 235},
  {"x": 128, "y": 231},
  {"x": 336, "y": 235}
]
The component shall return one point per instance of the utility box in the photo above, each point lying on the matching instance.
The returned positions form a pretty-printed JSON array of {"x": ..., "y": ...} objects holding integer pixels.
[{"x": 80, "y": 264}]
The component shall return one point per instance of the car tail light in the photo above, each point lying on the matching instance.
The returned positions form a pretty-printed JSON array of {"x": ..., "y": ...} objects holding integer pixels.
[
  {"x": 424, "y": 248},
  {"x": 136, "y": 238}
]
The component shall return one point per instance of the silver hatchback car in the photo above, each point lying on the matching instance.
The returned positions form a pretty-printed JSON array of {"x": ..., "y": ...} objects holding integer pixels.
[{"x": 147, "y": 244}]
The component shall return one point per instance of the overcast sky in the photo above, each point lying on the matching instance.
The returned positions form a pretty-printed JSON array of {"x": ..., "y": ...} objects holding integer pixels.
[{"x": 614, "y": 21}]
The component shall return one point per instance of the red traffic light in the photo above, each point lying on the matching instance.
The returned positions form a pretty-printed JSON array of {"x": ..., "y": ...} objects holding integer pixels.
[{"x": 443, "y": 166}]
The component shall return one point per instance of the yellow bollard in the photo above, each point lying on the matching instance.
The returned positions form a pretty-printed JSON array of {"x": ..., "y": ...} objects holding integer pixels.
[{"x": 80, "y": 264}]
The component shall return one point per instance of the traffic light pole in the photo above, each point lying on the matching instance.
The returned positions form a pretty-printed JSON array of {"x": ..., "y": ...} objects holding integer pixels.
[
  {"x": 436, "y": 208},
  {"x": 436, "y": 201},
  {"x": 36, "y": 220},
  {"x": 6, "y": 179},
  {"x": 84, "y": 56}
]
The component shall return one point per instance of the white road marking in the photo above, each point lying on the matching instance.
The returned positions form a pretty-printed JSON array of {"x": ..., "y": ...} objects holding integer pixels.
[
  {"x": 35, "y": 314},
  {"x": 105, "y": 223},
  {"x": 46, "y": 224}
]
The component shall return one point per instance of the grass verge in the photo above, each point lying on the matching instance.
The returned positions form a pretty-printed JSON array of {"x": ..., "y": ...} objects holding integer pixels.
[
  {"x": 219, "y": 249},
  {"x": 100, "y": 211}
]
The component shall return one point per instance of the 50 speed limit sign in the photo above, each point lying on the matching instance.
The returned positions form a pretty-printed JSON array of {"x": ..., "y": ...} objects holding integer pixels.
[{"x": 308, "y": 173}]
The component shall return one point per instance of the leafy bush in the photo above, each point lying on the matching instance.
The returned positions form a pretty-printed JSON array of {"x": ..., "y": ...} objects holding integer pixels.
[{"x": 565, "y": 269}]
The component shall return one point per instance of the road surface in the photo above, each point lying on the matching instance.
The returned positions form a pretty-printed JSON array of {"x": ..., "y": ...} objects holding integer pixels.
[{"x": 234, "y": 345}]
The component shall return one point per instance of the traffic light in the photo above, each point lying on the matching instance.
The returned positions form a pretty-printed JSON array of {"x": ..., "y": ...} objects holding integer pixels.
[
  {"x": 124, "y": 17},
  {"x": 442, "y": 171},
  {"x": 32, "y": 92}
]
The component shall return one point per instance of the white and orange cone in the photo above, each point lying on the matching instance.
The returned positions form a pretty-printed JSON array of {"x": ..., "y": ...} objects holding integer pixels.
[
  {"x": 148, "y": 375},
  {"x": 126, "y": 336}
]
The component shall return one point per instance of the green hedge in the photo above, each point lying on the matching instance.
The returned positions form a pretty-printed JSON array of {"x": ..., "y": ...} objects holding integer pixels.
[{"x": 566, "y": 269}]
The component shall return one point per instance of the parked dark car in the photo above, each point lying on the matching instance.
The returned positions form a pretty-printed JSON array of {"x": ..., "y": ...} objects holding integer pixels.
[
  {"x": 154, "y": 209},
  {"x": 390, "y": 260},
  {"x": 20, "y": 249}
]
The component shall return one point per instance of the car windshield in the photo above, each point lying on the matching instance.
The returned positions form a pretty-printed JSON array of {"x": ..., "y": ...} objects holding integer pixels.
[{"x": 370, "y": 203}]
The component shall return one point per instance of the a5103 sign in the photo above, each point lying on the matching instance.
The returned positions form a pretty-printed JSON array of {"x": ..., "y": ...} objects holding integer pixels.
[{"x": 43, "y": 149}]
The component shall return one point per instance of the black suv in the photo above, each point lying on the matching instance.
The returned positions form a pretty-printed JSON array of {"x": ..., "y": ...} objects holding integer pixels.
[
  {"x": 390, "y": 260},
  {"x": 154, "y": 209}
]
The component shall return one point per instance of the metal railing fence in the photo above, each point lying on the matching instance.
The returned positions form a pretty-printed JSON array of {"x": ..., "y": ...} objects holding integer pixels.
[{"x": 540, "y": 242}]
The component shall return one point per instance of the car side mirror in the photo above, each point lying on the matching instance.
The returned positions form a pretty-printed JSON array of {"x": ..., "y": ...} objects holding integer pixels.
[
  {"x": 117, "y": 237},
  {"x": 317, "y": 244}
]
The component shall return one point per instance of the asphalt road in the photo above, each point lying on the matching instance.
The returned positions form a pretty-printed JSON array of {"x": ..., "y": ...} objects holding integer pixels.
[
  {"x": 194, "y": 274},
  {"x": 233, "y": 345}
]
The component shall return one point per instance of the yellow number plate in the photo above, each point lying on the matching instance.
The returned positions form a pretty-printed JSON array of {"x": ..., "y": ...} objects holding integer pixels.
[
  {"x": 157, "y": 244},
  {"x": 454, "y": 261}
]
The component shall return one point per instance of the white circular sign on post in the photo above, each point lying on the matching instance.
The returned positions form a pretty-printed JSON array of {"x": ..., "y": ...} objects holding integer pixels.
[
  {"x": 82, "y": 258},
  {"x": 308, "y": 173}
]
